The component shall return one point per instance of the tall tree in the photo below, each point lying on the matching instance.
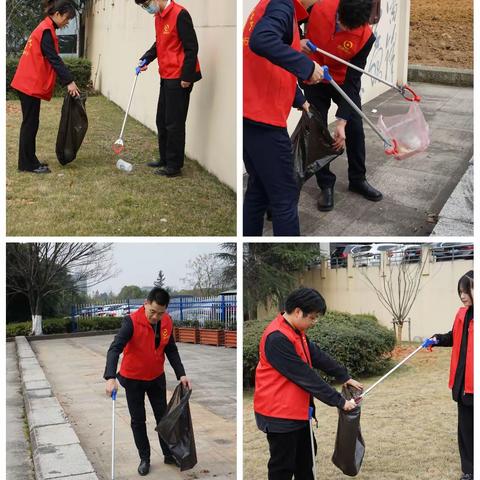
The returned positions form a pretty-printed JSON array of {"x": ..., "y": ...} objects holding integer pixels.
[
  {"x": 399, "y": 286},
  {"x": 228, "y": 257},
  {"x": 38, "y": 271},
  {"x": 131, "y": 292},
  {"x": 270, "y": 271},
  {"x": 204, "y": 275},
  {"x": 160, "y": 281}
]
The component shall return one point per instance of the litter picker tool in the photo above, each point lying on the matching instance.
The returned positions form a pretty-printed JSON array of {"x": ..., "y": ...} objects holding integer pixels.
[
  {"x": 405, "y": 91},
  {"x": 428, "y": 343},
  {"x": 402, "y": 135},
  {"x": 314, "y": 461},
  {"x": 114, "y": 398},
  {"x": 118, "y": 146}
]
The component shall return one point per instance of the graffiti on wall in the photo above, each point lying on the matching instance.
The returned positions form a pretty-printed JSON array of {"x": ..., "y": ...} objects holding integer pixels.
[{"x": 382, "y": 58}]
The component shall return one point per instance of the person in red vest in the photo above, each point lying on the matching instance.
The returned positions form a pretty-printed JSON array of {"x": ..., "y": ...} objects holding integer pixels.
[
  {"x": 145, "y": 337},
  {"x": 272, "y": 63},
  {"x": 36, "y": 75},
  {"x": 341, "y": 27},
  {"x": 176, "y": 49},
  {"x": 286, "y": 382},
  {"x": 461, "y": 370}
]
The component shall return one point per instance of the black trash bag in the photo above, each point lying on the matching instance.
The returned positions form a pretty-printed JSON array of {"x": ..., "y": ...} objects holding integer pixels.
[
  {"x": 349, "y": 444},
  {"x": 72, "y": 129},
  {"x": 176, "y": 428},
  {"x": 312, "y": 146}
]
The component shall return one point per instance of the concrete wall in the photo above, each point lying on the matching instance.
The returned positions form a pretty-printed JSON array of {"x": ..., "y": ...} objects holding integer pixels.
[
  {"x": 389, "y": 56},
  {"x": 120, "y": 32},
  {"x": 346, "y": 289}
]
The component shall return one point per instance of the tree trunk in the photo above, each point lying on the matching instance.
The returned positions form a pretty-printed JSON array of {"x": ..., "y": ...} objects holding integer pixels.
[
  {"x": 37, "y": 325},
  {"x": 399, "y": 332}
]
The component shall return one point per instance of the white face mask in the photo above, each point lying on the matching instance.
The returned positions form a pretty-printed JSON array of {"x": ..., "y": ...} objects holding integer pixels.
[{"x": 152, "y": 8}]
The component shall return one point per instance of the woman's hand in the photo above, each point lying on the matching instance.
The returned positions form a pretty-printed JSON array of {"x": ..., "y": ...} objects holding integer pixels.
[
  {"x": 354, "y": 384},
  {"x": 73, "y": 89}
]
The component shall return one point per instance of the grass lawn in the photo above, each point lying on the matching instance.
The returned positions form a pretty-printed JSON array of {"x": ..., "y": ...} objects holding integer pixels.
[
  {"x": 92, "y": 197},
  {"x": 409, "y": 423}
]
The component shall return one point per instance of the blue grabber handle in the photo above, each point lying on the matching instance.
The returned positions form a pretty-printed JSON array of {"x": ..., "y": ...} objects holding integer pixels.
[
  {"x": 140, "y": 65},
  {"x": 114, "y": 395},
  {"x": 311, "y": 46},
  {"x": 310, "y": 413},
  {"x": 429, "y": 343}
]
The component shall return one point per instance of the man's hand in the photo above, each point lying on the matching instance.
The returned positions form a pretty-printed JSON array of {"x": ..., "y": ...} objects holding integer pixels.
[
  {"x": 143, "y": 67},
  {"x": 317, "y": 75},
  {"x": 339, "y": 134},
  {"x": 185, "y": 84},
  {"x": 305, "y": 107},
  {"x": 349, "y": 405},
  {"x": 303, "y": 43},
  {"x": 73, "y": 89},
  {"x": 111, "y": 385},
  {"x": 354, "y": 384},
  {"x": 186, "y": 382}
]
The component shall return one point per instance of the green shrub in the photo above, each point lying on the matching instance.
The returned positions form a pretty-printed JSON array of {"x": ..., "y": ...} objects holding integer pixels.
[
  {"x": 81, "y": 69},
  {"x": 188, "y": 323},
  {"x": 357, "y": 341},
  {"x": 21, "y": 329},
  {"x": 213, "y": 325},
  {"x": 55, "y": 325}
]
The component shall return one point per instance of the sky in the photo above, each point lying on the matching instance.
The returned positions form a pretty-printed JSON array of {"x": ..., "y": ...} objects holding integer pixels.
[{"x": 139, "y": 263}]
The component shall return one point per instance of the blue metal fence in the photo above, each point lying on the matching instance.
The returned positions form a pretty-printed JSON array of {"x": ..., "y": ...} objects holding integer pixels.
[{"x": 183, "y": 310}]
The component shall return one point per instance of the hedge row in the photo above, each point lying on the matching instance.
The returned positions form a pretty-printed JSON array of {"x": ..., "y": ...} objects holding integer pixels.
[
  {"x": 81, "y": 69},
  {"x": 64, "y": 325},
  {"x": 357, "y": 341}
]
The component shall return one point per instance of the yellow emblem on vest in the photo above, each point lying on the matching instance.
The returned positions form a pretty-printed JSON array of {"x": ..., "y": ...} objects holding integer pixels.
[
  {"x": 346, "y": 46},
  {"x": 164, "y": 333},
  {"x": 166, "y": 29}
]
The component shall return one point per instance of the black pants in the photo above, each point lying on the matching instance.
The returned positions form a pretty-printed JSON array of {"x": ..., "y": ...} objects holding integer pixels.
[
  {"x": 321, "y": 96},
  {"x": 27, "y": 159},
  {"x": 290, "y": 455},
  {"x": 465, "y": 436},
  {"x": 172, "y": 112},
  {"x": 268, "y": 158},
  {"x": 156, "y": 391}
]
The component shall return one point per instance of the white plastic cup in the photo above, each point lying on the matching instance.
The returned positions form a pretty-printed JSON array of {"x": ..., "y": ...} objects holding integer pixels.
[{"x": 123, "y": 165}]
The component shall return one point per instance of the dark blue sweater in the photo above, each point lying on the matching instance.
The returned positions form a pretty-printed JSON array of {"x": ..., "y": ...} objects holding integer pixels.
[{"x": 272, "y": 38}]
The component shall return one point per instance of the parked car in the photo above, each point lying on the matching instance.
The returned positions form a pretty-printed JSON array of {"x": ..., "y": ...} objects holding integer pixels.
[
  {"x": 410, "y": 253},
  {"x": 368, "y": 255},
  {"x": 338, "y": 258},
  {"x": 444, "y": 251}
]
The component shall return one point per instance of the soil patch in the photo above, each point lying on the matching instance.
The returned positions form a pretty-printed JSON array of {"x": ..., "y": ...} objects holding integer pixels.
[{"x": 441, "y": 33}]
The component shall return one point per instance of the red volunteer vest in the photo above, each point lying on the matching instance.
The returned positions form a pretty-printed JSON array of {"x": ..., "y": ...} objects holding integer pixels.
[
  {"x": 141, "y": 361},
  {"x": 344, "y": 44},
  {"x": 35, "y": 76},
  {"x": 275, "y": 395},
  {"x": 170, "y": 52},
  {"x": 457, "y": 342},
  {"x": 268, "y": 90}
]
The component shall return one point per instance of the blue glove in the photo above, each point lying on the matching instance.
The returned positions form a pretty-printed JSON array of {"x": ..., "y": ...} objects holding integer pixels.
[
  {"x": 140, "y": 65},
  {"x": 429, "y": 342}
]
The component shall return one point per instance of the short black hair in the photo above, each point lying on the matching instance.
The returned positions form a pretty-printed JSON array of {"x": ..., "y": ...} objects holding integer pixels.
[
  {"x": 354, "y": 13},
  {"x": 465, "y": 284},
  {"x": 141, "y": 2},
  {"x": 60, "y": 6},
  {"x": 160, "y": 296},
  {"x": 308, "y": 300}
]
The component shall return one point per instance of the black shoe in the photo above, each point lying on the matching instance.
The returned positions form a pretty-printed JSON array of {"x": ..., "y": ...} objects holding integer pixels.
[
  {"x": 144, "y": 467},
  {"x": 167, "y": 172},
  {"x": 156, "y": 164},
  {"x": 40, "y": 169},
  {"x": 366, "y": 190},
  {"x": 170, "y": 460},
  {"x": 466, "y": 476},
  {"x": 325, "y": 200}
]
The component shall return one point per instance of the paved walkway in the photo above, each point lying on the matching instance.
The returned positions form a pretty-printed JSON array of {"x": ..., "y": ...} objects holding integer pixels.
[
  {"x": 415, "y": 189},
  {"x": 75, "y": 368},
  {"x": 19, "y": 462}
]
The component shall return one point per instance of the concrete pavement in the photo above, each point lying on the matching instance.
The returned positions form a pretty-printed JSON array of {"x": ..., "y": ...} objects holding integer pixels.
[
  {"x": 74, "y": 368},
  {"x": 19, "y": 462},
  {"x": 416, "y": 189}
]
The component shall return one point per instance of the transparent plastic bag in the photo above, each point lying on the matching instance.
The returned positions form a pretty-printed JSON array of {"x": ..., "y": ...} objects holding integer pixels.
[{"x": 410, "y": 131}]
